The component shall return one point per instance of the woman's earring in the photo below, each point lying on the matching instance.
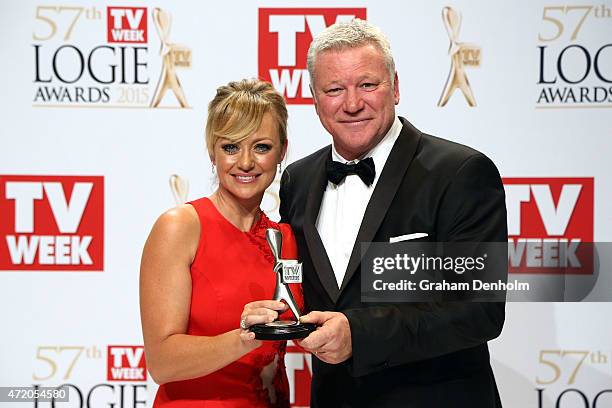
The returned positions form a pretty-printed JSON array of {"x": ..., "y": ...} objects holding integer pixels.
[
  {"x": 280, "y": 168},
  {"x": 213, "y": 169}
]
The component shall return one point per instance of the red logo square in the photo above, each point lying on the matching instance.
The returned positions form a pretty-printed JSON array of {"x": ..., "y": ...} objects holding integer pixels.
[
  {"x": 284, "y": 37},
  {"x": 550, "y": 225},
  {"x": 126, "y": 363},
  {"x": 52, "y": 223},
  {"x": 299, "y": 374},
  {"x": 126, "y": 24}
]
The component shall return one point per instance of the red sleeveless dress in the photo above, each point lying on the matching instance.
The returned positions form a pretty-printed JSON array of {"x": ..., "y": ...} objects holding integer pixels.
[{"x": 230, "y": 269}]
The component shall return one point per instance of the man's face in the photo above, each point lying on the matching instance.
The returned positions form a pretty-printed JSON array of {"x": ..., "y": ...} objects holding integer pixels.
[{"x": 354, "y": 98}]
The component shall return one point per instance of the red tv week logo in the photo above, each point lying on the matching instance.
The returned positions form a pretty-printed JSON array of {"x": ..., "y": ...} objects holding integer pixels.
[
  {"x": 284, "y": 37},
  {"x": 126, "y": 24},
  {"x": 126, "y": 363},
  {"x": 299, "y": 374},
  {"x": 550, "y": 225},
  {"x": 52, "y": 223}
]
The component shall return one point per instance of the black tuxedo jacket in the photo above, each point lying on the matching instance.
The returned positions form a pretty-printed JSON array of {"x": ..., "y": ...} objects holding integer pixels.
[{"x": 404, "y": 354}]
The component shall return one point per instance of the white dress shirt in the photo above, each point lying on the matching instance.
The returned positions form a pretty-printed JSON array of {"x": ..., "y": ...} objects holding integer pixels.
[{"x": 343, "y": 206}]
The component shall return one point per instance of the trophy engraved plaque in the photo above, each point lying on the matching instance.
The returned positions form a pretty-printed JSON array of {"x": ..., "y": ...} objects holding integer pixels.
[{"x": 287, "y": 271}]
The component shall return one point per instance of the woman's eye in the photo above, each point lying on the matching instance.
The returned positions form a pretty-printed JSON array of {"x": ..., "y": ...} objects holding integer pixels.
[
  {"x": 230, "y": 148},
  {"x": 262, "y": 148}
]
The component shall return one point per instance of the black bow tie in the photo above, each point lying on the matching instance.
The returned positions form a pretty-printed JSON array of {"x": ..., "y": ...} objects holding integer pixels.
[{"x": 336, "y": 171}]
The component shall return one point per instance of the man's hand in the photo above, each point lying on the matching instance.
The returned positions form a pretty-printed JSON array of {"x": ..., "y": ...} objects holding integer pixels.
[{"x": 331, "y": 342}]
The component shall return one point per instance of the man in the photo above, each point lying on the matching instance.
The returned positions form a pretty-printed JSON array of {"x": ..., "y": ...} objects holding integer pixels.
[{"x": 386, "y": 355}]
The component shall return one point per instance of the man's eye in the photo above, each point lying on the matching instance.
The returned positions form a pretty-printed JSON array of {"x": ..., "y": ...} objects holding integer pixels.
[
  {"x": 368, "y": 85},
  {"x": 230, "y": 148},
  {"x": 333, "y": 91},
  {"x": 262, "y": 148}
]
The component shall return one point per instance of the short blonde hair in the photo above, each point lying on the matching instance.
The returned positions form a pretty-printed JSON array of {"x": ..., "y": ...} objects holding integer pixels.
[
  {"x": 238, "y": 108},
  {"x": 350, "y": 34}
]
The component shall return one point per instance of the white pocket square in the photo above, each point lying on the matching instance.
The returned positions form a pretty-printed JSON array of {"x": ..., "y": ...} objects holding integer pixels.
[{"x": 408, "y": 237}]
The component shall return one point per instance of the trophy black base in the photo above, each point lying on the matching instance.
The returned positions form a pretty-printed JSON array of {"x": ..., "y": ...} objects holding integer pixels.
[{"x": 282, "y": 330}]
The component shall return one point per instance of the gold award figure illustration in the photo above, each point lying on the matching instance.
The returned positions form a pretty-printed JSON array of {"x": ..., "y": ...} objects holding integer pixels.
[
  {"x": 180, "y": 188},
  {"x": 173, "y": 56},
  {"x": 462, "y": 54}
]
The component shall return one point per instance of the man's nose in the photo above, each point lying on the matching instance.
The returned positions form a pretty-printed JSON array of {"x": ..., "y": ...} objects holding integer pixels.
[{"x": 353, "y": 102}]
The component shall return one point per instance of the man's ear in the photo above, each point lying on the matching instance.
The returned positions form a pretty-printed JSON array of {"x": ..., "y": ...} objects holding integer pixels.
[
  {"x": 396, "y": 91},
  {"x": 314, "y": 98}
]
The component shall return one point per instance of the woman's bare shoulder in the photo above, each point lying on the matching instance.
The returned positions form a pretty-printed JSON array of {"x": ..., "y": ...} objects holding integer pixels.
[{"x": 177, "y": 229}]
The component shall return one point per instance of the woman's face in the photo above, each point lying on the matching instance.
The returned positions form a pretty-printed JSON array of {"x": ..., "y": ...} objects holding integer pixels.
[{"x": 245, "y": 169}]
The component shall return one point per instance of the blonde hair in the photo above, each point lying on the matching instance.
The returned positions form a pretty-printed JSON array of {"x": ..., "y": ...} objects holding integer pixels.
[
  {"x": 238, "y": 108},
  {"x": 350, "y": 34}
]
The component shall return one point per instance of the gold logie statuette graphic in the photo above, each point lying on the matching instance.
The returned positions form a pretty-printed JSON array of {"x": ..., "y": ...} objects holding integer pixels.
[
  {"x": 180, "y": 188},
  {"x": 173, "y": 56},
  {"x": 462, "y": 55}
]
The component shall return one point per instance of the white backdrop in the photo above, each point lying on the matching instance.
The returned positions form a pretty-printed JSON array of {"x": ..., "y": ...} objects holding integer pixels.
[{"x": 70, "y": 313}]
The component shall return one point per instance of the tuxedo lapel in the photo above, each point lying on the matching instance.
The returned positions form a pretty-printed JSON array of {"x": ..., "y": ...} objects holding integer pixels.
[
  {"x": 387, "y": 186},
  {"x": 318, "y": 255}
]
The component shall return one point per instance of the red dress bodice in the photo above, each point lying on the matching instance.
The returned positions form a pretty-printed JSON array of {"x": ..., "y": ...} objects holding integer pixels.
[{"x": 232, "y": 268}]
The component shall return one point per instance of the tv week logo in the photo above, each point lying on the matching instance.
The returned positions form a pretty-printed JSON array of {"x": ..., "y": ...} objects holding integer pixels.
[
  {"x": 126, "y": 363},
  {"x": 52, "y": 223},
  {"x": 126, "y": 24},
  {"x": 284, "y": 37},
  {"x": 299, "y": 375},
  {"x": 550, "y": 225}
]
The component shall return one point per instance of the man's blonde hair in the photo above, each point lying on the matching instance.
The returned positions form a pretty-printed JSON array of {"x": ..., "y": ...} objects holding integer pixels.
[{"x": 350, "y": 34}]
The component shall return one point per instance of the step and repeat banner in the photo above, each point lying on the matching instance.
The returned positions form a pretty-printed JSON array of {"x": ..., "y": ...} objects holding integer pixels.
[{"x": 103, "y": 114}]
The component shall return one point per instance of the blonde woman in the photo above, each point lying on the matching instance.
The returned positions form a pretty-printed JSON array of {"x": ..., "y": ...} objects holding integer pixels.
[{"x": 207, "y": 269}]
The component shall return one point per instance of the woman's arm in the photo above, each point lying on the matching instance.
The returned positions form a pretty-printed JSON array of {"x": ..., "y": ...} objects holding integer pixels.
[{"x": 165, "y": 297}]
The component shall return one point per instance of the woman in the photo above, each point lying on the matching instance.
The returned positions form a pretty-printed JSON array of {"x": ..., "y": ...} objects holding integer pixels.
[{"x": 206, "y": 267}]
